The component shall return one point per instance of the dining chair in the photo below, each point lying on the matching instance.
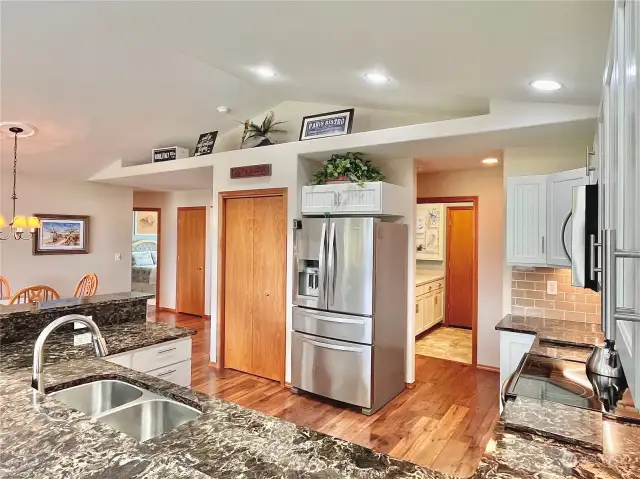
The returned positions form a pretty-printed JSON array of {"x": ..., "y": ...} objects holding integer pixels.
[
  {"x": 5, "y": 289},
  {"x": 87, "y": 286},
  {"x": 34, "y": 294}
]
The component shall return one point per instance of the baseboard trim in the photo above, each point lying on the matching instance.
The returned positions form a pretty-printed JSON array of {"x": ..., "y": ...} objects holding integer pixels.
[
  {"x": 214, "y": 366},
  {"x": 207, "y": 316},
  {"x": 493, "y": 369}
]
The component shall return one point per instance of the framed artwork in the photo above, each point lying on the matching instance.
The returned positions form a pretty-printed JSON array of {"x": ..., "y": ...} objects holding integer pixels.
[
  {"x": 145, "y": 223},
  {"x": 430, "y": 232},
  {"x": 61, "y": 234},
  {"x": 334, "y": 123},
  {"x": 205, "y": 143}
]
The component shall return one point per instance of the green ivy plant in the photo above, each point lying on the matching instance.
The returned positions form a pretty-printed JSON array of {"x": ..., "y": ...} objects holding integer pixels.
[{"x": 349, "y": 166}]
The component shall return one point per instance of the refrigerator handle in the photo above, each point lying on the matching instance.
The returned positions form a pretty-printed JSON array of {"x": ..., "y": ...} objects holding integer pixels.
[
  {"x": 321, "y": 267},
  {"x": 331, "y": 265}
]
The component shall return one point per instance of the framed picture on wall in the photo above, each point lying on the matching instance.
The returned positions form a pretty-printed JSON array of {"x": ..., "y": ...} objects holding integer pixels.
[
  {"x": 145, "y": 223},
  {"x": 430, "y": 232},
  {"x": 61, "y": 234}
]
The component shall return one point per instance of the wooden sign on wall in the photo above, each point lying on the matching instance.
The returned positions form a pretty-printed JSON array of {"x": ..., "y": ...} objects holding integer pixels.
[{"x": 250, "y": 171}]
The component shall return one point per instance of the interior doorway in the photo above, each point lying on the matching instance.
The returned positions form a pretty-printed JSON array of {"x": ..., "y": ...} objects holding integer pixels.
[
  {"x": 452, "y": 334},
  {"x": 190, "y": 260},
  {"x": 145, "y": 252},
  {"x": 252, "y": 282}
]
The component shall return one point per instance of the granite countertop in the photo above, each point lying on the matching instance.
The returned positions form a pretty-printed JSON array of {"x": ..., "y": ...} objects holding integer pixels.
[
  {"x": 555, "y": 331},
  {"x": 44, "y": 438},
  {"x": 71, "y": 302},
  {"x": 424, "y": 276}
]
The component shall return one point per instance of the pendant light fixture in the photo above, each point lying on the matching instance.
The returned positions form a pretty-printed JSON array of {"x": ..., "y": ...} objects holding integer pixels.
[{"x": 18, "y": 223}]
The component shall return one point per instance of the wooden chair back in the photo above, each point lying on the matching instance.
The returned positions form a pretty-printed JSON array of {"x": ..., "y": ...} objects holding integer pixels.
[
  {"x": 87, "y": 286},
  {"x": 34, "y": 294},
  {"x": 5, "y": 289}
]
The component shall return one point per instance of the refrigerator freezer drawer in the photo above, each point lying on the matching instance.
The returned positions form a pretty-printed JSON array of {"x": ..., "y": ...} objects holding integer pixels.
[
  {"x": 330, "y": 368},
  {"x": 356, "y": 329}
]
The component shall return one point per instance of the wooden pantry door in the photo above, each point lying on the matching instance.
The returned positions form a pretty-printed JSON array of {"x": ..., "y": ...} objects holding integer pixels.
[
  {"x": 460, "y": 266},
  {"x": 255, "y": 284},
  {"x": 192, "y": 237}
]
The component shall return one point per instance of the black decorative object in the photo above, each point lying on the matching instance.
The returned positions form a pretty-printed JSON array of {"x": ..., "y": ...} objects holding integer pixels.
[
  {"x": 334, "y": 123},
  {"x": 262, "y": 132},
  {"x": 205, "y": 143},
  {"x": 168, "y": 154}
]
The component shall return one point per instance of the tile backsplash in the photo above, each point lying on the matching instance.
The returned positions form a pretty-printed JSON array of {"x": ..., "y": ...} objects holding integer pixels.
[{"x": 529, "y": 296}]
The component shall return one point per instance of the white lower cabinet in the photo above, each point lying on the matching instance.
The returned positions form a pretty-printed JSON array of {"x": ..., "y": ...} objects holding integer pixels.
[
  {"x": 170, "y": 361},
  {"x": 429, "y": 305},
  {"x": 513, "y": 346}
]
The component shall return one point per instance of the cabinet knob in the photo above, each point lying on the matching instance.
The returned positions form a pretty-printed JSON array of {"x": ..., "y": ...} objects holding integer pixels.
[
  {"x": 199, "y": 268},
  {"x": 267, "y": 294},
  {"x": 439, "y": 285},
  {"x": 429, "y": 288},
  {"x": 417, "y": 307}
]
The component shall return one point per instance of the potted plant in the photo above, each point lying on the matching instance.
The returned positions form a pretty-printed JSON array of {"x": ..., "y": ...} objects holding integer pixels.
[
  {"x": 348, "y": 167},
  {"x": 261, "y": 133}
]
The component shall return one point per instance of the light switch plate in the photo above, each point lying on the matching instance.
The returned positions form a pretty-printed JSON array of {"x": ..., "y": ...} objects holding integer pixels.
[
  {"x": 552, "y": 287},
  {"x": 80, "y": 339},
  {"x": 118, "y": 257}
]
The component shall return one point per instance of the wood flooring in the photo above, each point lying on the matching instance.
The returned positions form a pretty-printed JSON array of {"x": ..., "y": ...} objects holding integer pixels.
[
  {"x": 454, "y": 344},
  {"x": 443, "y": 423}
]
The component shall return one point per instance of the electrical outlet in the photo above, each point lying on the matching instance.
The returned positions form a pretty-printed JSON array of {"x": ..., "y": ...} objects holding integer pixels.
[
  {"x": 118, "y": 257},
  {"x": 80, "y": 339},
  {"x": 81, "y": 325},
  {"x": 552, "y": 287}
]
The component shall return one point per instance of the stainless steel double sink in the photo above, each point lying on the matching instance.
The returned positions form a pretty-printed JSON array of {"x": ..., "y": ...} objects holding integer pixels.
[{"x": 129, "y": 409}]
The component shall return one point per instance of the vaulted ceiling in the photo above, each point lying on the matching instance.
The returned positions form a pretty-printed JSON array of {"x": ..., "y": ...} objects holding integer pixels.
[{"x": 110, "y": 80}]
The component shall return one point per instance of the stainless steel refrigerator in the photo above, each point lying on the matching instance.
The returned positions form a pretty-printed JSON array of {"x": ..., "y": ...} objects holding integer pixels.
[{"x": 350, "y": 313}]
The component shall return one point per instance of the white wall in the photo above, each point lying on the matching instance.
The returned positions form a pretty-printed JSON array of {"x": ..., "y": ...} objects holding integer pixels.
[
  {"x": 169, "y": 202},
  {"x": 109, "y": 208},
  {"x": 487, "y": 184}
]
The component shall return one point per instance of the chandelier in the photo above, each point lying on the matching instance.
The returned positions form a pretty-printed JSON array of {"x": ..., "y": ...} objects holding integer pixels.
[{"x": 18, "y": 223}]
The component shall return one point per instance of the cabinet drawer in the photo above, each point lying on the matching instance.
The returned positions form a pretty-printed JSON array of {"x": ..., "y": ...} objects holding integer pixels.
[
  {"x": 420, "y": 290},
  {"x": 331, "y": 368},
  {"x": 179, "y": 373},
  {"x": 161, "y": 355},
  {"x": 429, "y": 287}
]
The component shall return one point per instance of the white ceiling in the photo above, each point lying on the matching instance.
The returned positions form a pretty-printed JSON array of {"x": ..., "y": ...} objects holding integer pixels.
[{"x": 109, "y": 80}]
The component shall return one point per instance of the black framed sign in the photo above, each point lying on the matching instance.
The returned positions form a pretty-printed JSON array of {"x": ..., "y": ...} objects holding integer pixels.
[
  {"x": 205, "y": 143},
  {"x": 334, "y": 123}
]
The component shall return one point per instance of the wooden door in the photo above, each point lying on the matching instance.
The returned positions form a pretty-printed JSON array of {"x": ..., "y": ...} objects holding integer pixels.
[
  {"x": 460, "y": 264},
  {"x": 269, "y": 249},
  {"x": 255, "y": 285},
  {"x": 192, "y": 234}
]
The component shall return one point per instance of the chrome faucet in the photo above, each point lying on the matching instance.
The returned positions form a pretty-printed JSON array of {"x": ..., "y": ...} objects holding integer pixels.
[{"x": 37, "y": 380}]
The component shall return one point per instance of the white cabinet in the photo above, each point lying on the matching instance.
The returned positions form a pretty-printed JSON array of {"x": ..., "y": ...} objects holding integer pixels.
[
  {"x": 526, "y": 219},
  {"x": 537, "y": 207},
  {"x": 513, "y": 346},
  {"x": 559, "y": 204},
  {"x": 429, "y": 305},
  {"x": 373, "y": 198},
  {"x": 170, "y": 361}
]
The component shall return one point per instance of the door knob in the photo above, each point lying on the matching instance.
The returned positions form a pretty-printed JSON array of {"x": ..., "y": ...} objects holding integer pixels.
[
  {"x": 267, "y": 294},
  {"x": 199, "y": 268}
]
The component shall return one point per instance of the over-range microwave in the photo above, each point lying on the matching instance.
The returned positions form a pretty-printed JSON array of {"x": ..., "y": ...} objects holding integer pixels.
[{"x": 584, "y": 236}]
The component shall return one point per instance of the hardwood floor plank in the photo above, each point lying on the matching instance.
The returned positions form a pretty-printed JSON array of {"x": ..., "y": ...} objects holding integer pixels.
[{"x": 443, "y": 423}]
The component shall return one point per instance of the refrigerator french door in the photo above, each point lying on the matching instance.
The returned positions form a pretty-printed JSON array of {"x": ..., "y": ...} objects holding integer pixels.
[{"x": 335, "y": 265}]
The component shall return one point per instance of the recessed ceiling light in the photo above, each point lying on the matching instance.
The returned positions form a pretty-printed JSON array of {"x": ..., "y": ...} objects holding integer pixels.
[
  {"x": 546, "y": 85},
  {"x": 223, "y": 110},
  {"x": 265, "y": 72},
  {"x": 490, "y": 161},
  {"x": 377, "y": 78}
]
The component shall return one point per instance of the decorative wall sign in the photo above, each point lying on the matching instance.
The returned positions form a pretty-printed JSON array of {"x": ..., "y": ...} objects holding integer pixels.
[
  {"x": 205, "y": 143},
  {"x": 334, "y": 123},
  {"x": 250, "y": 171},
  {"x": 169, "y": 153},
  {"x": 61, "y": 234}
]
